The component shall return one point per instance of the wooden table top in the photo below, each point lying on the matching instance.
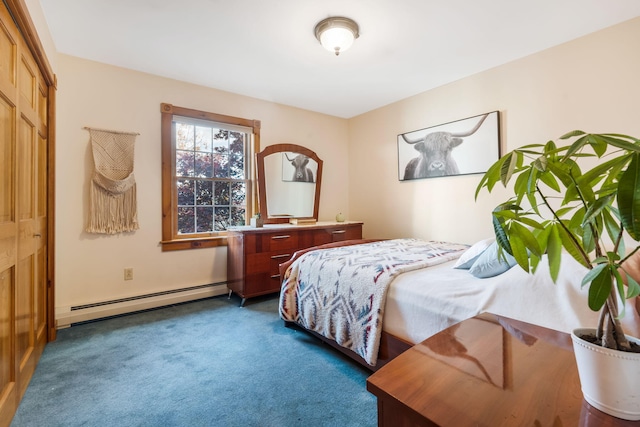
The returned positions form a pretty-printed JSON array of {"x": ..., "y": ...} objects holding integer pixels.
[{"x": 491, "y": 371}]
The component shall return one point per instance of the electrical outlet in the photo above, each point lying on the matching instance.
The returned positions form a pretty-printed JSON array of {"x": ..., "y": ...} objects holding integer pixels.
[{"x": 128, "y": 274}]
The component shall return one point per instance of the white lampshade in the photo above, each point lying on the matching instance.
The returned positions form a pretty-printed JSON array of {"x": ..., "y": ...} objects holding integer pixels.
[{"x": 337, "y": 33}]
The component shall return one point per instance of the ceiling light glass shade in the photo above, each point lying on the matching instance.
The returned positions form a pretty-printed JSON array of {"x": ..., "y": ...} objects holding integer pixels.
[{"x": 336, "y": 34}]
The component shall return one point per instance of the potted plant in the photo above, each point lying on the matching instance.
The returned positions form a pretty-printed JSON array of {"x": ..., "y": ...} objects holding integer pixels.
[{"x": 560, "y": 209}]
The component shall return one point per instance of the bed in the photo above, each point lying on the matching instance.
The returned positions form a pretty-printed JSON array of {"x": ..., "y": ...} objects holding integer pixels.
[{"x": 422, "y": 300}]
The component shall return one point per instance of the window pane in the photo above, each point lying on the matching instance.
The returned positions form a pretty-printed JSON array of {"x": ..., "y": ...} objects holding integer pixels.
[
  {"x": 186, "y": 220},
  {"x": 236, "y": 166},
  {"x": 237, "y": 216},
  {"x": 221, "y": 166},
  {"x": 184, "y": 136},
  {"x": 204, "y": 219},
  {"x": 221, "y": 141},
  {"x": 238, "y": 194},
  {"x": 237, "y": 142},
  {"x": 204, "y": 193},
  {"x": 236, "y": 155},
  {"x": 185, "y": 192},
  {"x": 184, "y": 163},
  {"x": 203, "y": 165},
  {"x": 221, "y": 196},
  {"x": 203, "y": 139},
  {"x": 222, "y": 218}
]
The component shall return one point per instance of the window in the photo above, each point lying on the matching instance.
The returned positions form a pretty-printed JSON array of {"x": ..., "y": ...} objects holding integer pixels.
[{"x": 207, "y": 176}]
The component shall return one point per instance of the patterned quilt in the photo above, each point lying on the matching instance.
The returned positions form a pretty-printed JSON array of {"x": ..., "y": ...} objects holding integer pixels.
[{"x": 340, "y": 292}]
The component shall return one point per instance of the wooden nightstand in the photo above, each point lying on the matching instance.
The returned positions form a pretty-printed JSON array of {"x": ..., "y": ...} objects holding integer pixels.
[{"x": 487, "y": 371}]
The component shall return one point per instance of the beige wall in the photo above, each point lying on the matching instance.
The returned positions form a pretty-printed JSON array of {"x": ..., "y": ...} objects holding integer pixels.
[
  {"x": 39, "y": 21},
  {"x": 89, "y": 267},
  {"x": 539, "y": 97},
  {"x": 590, "y": 83}
]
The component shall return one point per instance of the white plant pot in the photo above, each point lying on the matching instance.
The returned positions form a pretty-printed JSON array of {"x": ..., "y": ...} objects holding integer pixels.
[{"x": 609, "y": 378}]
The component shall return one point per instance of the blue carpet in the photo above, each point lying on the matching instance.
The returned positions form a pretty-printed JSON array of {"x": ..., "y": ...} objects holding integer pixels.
[{"x": 205, "y": 363}]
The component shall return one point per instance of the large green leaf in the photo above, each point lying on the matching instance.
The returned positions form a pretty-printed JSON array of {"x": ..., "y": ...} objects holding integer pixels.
[
  {"x": 598, "y": 144},
  {"x": 611, "y": 225},
  {"x": 592, "y": 274},
  {"x": 589, "y": 237},
  {"x": 596, "y": 209},
  {"x": 540, "y": 163},
  {"x": 629, "y": 198},
  {"x": 600, "y": 289},
  {"x": 508, "y": 166},
  {"x": 520, "y": 186},
  {"x": 624, "y": 142},
  {"x": 526, "y": 237},
  {"x": 576, "y": 220},
  {"x": 491, "y": 176},
  {"x": 602, "y": 170},
  {"x": 519, "y": 250},
  {"x": 501, "y": 235},
  {"x": 550, "y": 180},
  {"x": 560, "y": 170},
  {"x": 530, "y": 222},
  {"x": 572, "y": 134},
  {"x": 572, "y": 246},
  {"x": 577, "y": 144},
  {"x": 554, "y": 252}
]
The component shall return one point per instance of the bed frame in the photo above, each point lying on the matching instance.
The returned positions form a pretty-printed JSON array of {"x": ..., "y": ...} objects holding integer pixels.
[{"x": 390, "y": 346}]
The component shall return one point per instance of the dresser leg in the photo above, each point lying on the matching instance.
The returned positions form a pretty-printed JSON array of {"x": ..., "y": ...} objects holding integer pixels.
[
  {"x": 242, "y": 302},
  {"x": 229, "y": 297}
]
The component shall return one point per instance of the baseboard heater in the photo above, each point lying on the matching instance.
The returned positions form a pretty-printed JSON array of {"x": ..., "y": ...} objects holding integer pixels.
[{"x": 67, "y": 316}]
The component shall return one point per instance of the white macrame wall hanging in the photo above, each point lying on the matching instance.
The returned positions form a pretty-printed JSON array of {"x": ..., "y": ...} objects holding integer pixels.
[{"x": 112, "y": 194}]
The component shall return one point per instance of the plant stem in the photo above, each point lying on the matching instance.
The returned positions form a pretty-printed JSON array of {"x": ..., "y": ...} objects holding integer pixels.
[
  {"x": 573, "y": 238},
  {"x": 620, "y": 340}
]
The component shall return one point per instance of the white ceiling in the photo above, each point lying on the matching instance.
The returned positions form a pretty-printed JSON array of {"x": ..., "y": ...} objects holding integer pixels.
[{"x": 266, "y": 48}]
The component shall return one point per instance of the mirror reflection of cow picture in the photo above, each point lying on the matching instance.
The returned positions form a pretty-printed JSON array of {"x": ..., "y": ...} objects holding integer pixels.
[
  {"x": 463, "y": 147},
  {"x": 297, "y": 167}
]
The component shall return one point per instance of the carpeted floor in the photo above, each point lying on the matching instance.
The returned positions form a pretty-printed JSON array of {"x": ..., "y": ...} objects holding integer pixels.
[{"x": 206, "y": 363}]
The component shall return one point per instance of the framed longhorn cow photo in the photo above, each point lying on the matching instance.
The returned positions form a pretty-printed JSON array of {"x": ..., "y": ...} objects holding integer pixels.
[
  {"x": 463, "y": 147},
  {"x": 297, "y": 167}
]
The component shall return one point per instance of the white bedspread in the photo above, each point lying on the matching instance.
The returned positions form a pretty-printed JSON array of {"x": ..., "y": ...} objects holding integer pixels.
[{"x": 423, "y": 302}]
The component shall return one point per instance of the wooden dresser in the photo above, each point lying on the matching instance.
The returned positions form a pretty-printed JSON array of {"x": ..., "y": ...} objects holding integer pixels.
[{"x": 253, "y": 254}]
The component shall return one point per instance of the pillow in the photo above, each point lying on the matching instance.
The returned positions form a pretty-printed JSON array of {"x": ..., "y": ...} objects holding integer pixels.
[
  {"x": 471, "y": 255},
  {"x": 488, "y": 264}
]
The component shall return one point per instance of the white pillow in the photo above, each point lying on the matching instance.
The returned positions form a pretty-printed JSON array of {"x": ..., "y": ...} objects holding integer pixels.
[
  {"x": 488, "y": 264},
  {"x": 471, "y": 255}
]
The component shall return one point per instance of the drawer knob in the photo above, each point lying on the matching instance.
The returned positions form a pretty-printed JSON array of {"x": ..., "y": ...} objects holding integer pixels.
[
  {"x": 339, "y": 232},
  {"x": 280, "y": 256}
]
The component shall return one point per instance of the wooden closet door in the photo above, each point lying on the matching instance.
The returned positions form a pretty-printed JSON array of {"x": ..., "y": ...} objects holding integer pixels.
[{"x": 23, "y": 216}]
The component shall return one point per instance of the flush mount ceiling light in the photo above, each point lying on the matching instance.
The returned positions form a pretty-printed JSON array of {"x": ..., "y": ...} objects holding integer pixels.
[{"x": 337, "y": 33}]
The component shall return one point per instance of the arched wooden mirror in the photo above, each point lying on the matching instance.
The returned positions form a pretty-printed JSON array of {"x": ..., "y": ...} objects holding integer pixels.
[{"x": 289, "y": 178}]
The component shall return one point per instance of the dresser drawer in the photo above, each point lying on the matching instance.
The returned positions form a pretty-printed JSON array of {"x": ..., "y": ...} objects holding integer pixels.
[
  {"x": 278, "y": 258},
  {"x": 336, "y": 234},
  {"x": 259, "y": 284},
  {"x": 276, "y": 242}
]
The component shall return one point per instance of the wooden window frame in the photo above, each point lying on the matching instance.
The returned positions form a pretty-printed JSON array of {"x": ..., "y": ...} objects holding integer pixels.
[{"x": 170, "y": 240}]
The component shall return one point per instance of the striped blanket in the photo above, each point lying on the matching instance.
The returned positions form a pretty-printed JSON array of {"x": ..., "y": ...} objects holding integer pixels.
[{"x": 340, "y": 292}]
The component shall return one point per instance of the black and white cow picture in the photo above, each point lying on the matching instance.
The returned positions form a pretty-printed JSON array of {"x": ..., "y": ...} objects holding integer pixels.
[
  {"x": 435, "y": 152},
  {"x": 301, "y": 173}
]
